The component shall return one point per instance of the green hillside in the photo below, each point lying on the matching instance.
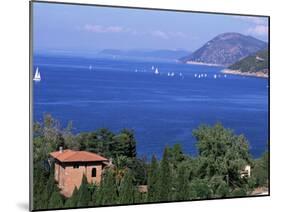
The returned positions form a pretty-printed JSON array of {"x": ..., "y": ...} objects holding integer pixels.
[{"x": 257, "y": 62}]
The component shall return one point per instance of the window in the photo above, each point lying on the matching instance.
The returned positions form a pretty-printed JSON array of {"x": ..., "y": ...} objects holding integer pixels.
[
  {"x": 94, "y": 172},
  {"x": 76, "y": 166}
]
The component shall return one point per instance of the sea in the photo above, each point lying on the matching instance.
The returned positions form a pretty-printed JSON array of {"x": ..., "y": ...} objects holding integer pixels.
[{"x": 162, "y": 110}]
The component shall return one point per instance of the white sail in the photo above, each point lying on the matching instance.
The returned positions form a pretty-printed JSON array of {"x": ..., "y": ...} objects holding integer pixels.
[
  {"x": 172, "y": 74},
  {"x": 215, "y": 76},
  {"x": 156, "y": 71},
  {"x": 152, "y": 68},
  {"x": 37, "y": 76}
]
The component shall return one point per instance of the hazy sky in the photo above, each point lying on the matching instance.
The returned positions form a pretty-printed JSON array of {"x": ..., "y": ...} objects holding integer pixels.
[{"x": 87, "y": 28}]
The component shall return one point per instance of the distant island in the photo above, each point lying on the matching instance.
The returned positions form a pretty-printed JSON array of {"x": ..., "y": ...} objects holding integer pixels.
[
  {"x": 169, "y": 54},
  {"x": 254, "y": 65},
  {"x": 225, "y": 50}
]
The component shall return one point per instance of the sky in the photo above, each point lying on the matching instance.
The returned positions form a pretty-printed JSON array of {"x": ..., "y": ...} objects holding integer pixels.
[{"x": 70, "y": 28}]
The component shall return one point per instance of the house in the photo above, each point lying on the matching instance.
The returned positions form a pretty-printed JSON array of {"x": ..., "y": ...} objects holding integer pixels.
[
  {"x": 246, "y": 172},
  {"x": 70, "y": 166}
]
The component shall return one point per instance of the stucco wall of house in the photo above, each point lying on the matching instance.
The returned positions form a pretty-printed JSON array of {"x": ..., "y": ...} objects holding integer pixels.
[
  {"x": 70, "y": 177},
  {"x": 56, "y": 172}
]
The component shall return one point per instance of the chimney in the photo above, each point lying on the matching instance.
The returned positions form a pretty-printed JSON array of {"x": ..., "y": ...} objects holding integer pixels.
[{"x": 61, "y": 149}]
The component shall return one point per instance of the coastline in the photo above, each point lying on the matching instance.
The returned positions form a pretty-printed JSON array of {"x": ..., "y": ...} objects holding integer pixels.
[
  {"x": 248, "y": 74},
  {"x": 203, "y": 64}
]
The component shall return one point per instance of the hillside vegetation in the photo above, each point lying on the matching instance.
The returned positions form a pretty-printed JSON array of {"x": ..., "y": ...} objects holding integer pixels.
[
  {"x": 257, "y": 62},
  {"x": 214, "y": 173}
]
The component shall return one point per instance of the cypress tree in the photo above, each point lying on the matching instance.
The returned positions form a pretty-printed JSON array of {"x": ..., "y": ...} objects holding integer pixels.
[
  {"x": 72, "y": 201},
  {"x": 84, "y": 195},
  {"x": 55, "y": 200},
  {"x": 49, "y": 187},
  {"x": 152, "y": 180},
  {"x": 127, "y": 189},
  {"x": 165, "y": 181},
  {"x": 182, "y": 183},
  {"x": 39, "y": 193},
  {"x": 107, "y": 191},
  {"x": 44, "y": 186}
]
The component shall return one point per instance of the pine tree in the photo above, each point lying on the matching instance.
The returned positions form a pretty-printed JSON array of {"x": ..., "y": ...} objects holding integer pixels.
[
  {"x": 84, "y": 195},
  {"x": 152, "y": 180},
  {"x": 127, "y": 189},
  {"x": 55, "y": 200},
  {"x": 131, "y": 150}
]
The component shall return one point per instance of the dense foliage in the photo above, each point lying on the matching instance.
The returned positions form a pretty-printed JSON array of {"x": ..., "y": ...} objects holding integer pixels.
[
  {"x": 253, "y": 63},
  {"x": 213, "y": 173}
]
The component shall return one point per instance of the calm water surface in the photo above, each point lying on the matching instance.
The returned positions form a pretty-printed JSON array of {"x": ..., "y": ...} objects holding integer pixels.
[{"x": 162, "y": 110}]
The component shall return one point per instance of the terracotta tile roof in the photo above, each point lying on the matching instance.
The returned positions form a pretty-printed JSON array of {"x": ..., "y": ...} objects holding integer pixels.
[{"x": 76, "y": 156}]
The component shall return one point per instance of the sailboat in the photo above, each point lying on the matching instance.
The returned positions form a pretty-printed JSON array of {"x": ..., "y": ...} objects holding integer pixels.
[
  {"x": 215, "y": 76},
  {"x": 172, "y": 74},
  {"x": 156, "y": 71},
  {"x": 152, "y": 68},
  {"x": 90, "y": 67},
  {"x": 37, "y": 76}
]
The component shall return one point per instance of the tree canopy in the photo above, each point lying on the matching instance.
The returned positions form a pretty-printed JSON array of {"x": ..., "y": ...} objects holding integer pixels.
[{"x": 215, "y": 172}]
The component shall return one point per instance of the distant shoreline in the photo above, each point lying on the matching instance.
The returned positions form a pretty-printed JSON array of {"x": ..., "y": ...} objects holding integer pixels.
[
  {"x": 248, "y": 74},
  {"x": 204, "y": 64}
]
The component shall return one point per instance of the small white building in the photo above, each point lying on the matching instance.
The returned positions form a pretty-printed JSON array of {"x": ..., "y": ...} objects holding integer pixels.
[{"x": 246, "y": 172}]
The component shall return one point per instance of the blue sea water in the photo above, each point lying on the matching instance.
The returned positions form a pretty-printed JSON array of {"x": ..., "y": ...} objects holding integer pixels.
[{"x": 161, "y": 110}]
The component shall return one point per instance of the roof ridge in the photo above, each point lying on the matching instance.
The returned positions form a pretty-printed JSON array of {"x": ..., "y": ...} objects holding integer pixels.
[{"x": 73, "y": 155}]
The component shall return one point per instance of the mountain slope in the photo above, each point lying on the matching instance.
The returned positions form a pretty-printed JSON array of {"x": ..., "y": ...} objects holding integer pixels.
[{"x": 225, "y": 49}]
